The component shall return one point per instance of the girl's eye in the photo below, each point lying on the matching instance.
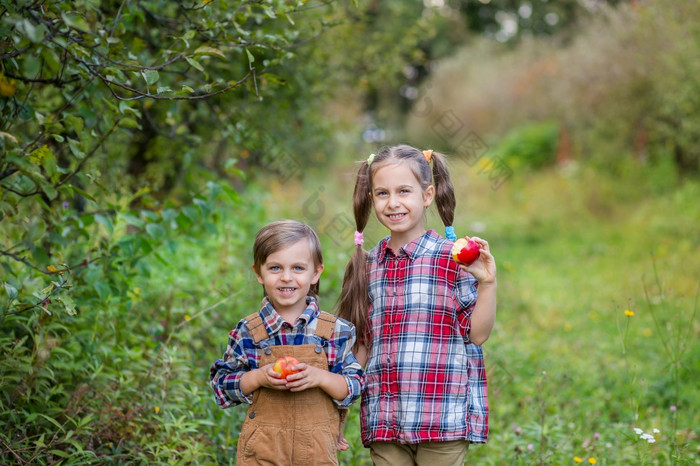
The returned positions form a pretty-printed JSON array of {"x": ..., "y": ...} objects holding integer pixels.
[
  {"x": 274, "y": 268},
  {"x": 299, "y": 268},
  {"x": 381, "y": 193}
]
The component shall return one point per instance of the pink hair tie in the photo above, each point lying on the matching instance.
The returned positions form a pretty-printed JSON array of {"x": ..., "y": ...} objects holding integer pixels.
[{"x": 359, "y": 238}]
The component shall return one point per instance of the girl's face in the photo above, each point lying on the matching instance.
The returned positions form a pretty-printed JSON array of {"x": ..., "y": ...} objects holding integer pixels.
[
  {"x": 287, "y": 276},
  {"x": 399, "y": 201}
]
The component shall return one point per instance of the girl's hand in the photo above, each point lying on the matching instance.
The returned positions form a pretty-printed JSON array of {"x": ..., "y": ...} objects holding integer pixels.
[
  {"x": 484, "y": 268},
  {"x": 271, "y": 379}
]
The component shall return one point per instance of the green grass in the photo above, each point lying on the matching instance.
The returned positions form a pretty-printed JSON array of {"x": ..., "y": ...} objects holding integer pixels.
[{"x": 570, "y": 375}]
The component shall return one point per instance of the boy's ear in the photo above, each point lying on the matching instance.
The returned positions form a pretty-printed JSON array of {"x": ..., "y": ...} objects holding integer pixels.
[
  {"x": 260, "y": 279},
  {"x": 317, "y": 274},
  {"x": 428, "y": 196}
]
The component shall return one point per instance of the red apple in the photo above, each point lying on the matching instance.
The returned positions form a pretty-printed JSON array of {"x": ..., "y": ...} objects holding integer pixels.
[
  {"x": 465, "y": 250},
  {"x": 283, "y": 366}
]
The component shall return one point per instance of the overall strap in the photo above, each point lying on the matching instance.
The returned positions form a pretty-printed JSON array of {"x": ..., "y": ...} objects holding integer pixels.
[
  {"x": 256, "y": 327},
  {"x": 325, "y": 325}
]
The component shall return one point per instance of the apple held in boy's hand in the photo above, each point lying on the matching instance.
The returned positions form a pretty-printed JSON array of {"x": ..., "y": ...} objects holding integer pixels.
[
  {"x": 465, "y": 250},
  {"x": 283, "y": 366}
]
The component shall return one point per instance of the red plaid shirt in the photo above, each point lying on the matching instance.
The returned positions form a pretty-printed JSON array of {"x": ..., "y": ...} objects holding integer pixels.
[{"x": 424, "y": 381}]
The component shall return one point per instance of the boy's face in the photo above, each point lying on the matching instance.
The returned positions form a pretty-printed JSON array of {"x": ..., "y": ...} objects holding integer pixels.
[{"x": 287, "y": 276}]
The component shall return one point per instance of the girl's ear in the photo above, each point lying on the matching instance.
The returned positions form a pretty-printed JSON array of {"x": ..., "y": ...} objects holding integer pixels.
[
  {"x": 317, "y": 274},
  {"x": 428, "y": 196}
]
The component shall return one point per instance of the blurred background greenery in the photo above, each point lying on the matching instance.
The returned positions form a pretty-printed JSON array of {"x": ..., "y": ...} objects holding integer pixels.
[{"x": 144, "y": 143}]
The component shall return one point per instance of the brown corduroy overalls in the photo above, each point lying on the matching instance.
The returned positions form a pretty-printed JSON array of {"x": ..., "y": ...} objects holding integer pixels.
[{"x": 290, "y": 428}]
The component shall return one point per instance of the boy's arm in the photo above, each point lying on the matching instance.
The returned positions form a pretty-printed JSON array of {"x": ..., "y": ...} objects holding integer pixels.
[{"x": 225, "y": 374}]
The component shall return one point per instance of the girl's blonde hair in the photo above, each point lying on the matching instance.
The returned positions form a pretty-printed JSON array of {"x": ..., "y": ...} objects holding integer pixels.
[
  {"x": 353, "y": 304},
  {"x": 277, "y": 235}
]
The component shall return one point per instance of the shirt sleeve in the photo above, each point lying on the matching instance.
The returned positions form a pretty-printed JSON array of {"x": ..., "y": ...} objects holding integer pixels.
[
  {"x": 225, "y": 373},
  {"x": 345, "y": 363},
  {"x": 465, "y": 297}
]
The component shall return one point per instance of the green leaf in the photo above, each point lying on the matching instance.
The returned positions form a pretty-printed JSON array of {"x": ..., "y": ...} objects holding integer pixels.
[
  {"x": 156, "y": 231},
  {"x": 49, "y": 190},
  {"x": 150, "y": 76},
  {"x": 206, "y": 50},
  {"x": 251, "y": 58},
  {"x": 34, "y": 33},
  {"x": 195, "y": 64},
  {"x": 75, "y": 122},
  {"x": 11, "y": 291},
  {"x": 129, "y": 123},
  {"x": 75, "y": 149},
  {"x": 105, "y": 222},
  {"x": 76, "y": 21},
  {"x": 132, "y": 220},
  {"x": 68, "y": 304},
  {"x": 103, "y": 290}
]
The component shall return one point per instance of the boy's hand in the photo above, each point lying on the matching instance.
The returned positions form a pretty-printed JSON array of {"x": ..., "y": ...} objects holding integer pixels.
[
  {"x": 307, "y": 377},
  {"x": 271, "y": 379}
]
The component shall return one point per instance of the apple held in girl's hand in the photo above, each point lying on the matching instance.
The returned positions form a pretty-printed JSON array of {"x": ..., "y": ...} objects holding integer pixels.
[
  {"x": 283, "y": 366},
  {"x": 465, "y": 250}
]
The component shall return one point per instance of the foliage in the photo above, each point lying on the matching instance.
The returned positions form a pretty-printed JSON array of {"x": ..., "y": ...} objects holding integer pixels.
[
  {"x": 619, "y": 89},
  {"x": 529, "y": 146}
]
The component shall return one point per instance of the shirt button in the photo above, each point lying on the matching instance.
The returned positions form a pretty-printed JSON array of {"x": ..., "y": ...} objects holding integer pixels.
[{"x": 388, "y": 360}]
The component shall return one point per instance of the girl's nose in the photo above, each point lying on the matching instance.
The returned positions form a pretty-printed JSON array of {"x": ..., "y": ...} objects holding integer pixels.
[{"x": 287, "y": 275}]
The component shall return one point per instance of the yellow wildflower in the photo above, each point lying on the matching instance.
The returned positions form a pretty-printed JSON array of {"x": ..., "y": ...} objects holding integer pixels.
[
  {"x": 577, "y": 459},
  {"x": 592, "y": 460},
  {"x": 156, "y": 409},
  {"x": 187, "y": 317},
  {"x": 629, "y": 313}
]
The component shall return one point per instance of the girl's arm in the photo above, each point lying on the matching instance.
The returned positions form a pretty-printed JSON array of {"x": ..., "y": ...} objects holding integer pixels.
[{"x": 484, "y": 313}]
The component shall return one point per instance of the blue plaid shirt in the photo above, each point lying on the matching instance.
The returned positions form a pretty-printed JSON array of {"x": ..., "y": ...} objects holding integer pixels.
[{"x": 243, "y": 354}]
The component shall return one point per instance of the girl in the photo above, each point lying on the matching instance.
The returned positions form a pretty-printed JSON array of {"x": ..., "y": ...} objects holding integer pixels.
[
  {"x": 293, "y": 420},
  {"x": 418, "y": 318}
]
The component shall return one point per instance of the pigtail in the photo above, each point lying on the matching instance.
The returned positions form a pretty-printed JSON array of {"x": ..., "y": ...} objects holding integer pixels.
[
  {"x": 444, "y": 190},
  {"x": 353, "y": 304}
]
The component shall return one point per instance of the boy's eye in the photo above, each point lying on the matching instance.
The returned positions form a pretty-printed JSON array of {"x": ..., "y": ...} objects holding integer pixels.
[
  {"x": 274, "y": 268},
  {"x": 299, "y": 268}
]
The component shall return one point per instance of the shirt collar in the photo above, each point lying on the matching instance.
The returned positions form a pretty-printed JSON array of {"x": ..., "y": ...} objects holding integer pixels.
[
  {"x": 273, "y": 321},
  {"x": 416, "y": 248}
]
